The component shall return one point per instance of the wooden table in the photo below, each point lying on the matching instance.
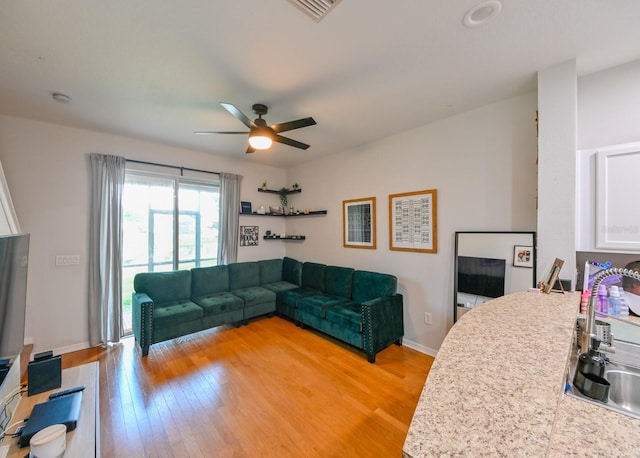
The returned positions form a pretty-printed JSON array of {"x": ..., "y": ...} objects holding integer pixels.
[{"x": 84, "y": 441}]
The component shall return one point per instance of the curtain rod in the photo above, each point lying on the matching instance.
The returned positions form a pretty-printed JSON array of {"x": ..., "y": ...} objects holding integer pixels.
[{"x": 182, "y": 169}]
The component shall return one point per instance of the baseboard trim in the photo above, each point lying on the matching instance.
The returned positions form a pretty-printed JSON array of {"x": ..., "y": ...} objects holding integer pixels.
[{"x": 421, "y": 348}]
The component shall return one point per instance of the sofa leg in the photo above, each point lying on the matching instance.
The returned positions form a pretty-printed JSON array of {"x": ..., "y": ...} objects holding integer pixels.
[
  {"x": 371, "y": 357},
  {"x": 399, "y": 342},
  {"x": 245, "y": 322},
  {"x": 145, "y": 350},
  {"x": 237, "y": 324}
]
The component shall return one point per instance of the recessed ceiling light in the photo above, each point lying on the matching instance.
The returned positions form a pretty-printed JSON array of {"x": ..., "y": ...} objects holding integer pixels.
[
  {"x": 482, "y": 13},
  {"x": 61, "y": 98}
]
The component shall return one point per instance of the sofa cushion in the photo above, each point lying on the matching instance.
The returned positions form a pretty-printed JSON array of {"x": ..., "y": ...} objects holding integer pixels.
[
  {"x": 292, "y": 296},
  {"x": 255, "y": 295},
  {"x": 280, "y": 286},
  {"x": 319, "y": 304},
  {"x": 270, "y": 271},
  {"x": 243, "y": 275},
  {"x": 337, "y": 281},
  {"x": 164, "y": 287},
  {"x": 182, "y": 312},
  {"x": 313, "y": 275},
  {"x": 292, "y": 271},
  {"x": 369, "y": 285},
  {"x": 217, "y": 303},
  {"x": 348, "y": 315},
  {"x": 209, "y": 280}
]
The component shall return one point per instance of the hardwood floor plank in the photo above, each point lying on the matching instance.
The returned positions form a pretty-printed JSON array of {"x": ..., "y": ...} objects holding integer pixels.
[{"x": 266, "y": 389}]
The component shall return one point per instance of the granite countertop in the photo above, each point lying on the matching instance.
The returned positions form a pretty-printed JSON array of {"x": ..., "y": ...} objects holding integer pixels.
[{"x": 496, "y": 388}]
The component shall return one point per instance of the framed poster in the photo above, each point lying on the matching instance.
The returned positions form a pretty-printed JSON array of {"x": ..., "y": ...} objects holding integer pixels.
[
  {"x": 359, "y": 223},
  {"x": 249, "y": 235},
  {"x": 522, "y": 256},
  {"x": 412, "y": 221}
]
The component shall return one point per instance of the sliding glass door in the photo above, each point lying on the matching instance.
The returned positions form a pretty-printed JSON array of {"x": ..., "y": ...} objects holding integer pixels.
[{"x": 169, "y": 223}]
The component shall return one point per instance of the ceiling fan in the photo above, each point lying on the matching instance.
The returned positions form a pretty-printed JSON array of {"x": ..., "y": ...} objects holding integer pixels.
[{"x": 261, "y": 135}]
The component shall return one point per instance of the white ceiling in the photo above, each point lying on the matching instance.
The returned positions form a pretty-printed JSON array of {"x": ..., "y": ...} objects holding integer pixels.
[{"x": 157, "y": 70}]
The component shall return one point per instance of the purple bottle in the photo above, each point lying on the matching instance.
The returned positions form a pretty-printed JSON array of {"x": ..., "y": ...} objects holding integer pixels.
[{"x": 603, "y": 303}]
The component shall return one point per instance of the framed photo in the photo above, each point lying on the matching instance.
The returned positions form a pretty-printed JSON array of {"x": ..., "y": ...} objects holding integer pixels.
[
  {"x": 412, "y": 221},
  {"x": 523, "y": 256},
  {"x": 249, "y": 235},
  {"x": 245, "y": 208},
  {"x": 549, "y": 283},
  {"x": 359, "y": 223}
]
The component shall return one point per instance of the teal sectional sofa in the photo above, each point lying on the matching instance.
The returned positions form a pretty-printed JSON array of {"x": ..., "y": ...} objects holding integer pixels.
[{"x": 360, "y": 308}]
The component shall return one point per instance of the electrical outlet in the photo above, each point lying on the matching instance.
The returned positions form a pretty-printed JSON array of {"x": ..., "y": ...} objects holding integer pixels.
[{"x": 428, "y": 319}]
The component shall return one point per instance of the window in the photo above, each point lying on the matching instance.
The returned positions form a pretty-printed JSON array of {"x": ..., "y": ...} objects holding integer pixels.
[{"x": 169, "y": 223}]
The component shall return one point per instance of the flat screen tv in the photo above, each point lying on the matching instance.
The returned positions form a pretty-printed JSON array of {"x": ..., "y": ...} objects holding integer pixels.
[
  {"x": 14, "y": 263},
  {"x": 481, "y": 276}
]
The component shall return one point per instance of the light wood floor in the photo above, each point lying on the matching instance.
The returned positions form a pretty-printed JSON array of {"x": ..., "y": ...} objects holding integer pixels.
[{"x": 269, "y": 389}]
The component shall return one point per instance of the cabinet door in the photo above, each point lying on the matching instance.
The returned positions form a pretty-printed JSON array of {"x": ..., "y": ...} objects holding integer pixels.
[{"x": 616, "y": 205}]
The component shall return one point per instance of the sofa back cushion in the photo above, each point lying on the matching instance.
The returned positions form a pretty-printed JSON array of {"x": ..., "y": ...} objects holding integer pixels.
[
  {"x": 337, "y": 281},
  {"x": 243, "y": 275},
  {"x": 369, "y": 285},
  {"x": 313, "y": 275},
  {"x": 270, "y": 271},
  {"x": 209, "y": 280},
  {"x": 292, "y": 271},
  {"x": 164, "y": 287}
]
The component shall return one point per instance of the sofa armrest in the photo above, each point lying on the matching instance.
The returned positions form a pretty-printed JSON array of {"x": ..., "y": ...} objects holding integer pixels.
[
  {"x": 383, "y": 323},
  {"x": 142, "y": 318}
]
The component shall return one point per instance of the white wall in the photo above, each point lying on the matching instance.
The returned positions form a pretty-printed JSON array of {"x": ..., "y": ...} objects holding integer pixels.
[
  {"x": 46, "y": 168},
  {"x": 608, "y": 114},
  {"x": 556, "y": 169},
  {"x": 483, "y": 164}
]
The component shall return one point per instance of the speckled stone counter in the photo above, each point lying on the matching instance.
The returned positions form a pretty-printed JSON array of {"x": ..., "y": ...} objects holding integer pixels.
[{"x": 496, "y": 388}]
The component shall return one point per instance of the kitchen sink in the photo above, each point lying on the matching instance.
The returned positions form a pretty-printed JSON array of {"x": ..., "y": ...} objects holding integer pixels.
[{"x": 624, "y": 391}]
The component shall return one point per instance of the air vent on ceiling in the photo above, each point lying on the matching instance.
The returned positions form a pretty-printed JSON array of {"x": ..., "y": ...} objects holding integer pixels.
[{"x": 316, "y": 9}]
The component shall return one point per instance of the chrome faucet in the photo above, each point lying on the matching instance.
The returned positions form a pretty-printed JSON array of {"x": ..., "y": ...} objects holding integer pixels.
[{"x": 590, "y": 336}]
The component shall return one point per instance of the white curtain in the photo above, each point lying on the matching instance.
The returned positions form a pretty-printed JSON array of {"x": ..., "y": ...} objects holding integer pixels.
[
  {"x": 229, "y": 218},
  {"x": 105, "y": 248}
]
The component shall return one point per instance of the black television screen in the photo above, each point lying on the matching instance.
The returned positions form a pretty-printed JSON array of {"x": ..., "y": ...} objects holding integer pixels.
[
  {"x": 14, "y": 263},
  {"x": 481, "y": 276}
]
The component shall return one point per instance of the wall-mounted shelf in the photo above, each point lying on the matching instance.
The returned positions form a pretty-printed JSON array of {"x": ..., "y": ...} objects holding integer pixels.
[
  {"x": 318, "y": 212},
  {"x": 274, "y": 191},
  {"x": 288, "y": 237}
]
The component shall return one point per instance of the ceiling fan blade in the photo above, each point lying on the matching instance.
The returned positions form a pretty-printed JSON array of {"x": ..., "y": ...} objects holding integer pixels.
[
  {"x": 237, "y": 114},
  {"x": 250, "y": 149},
  {"x": 210, "y": 132},
  {"x": 289, "y": 141},
  {"x": 297, "y": 124}
]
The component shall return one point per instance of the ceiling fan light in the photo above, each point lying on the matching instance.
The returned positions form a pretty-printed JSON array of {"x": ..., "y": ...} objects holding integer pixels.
[{"x": 259, "y": 141}]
